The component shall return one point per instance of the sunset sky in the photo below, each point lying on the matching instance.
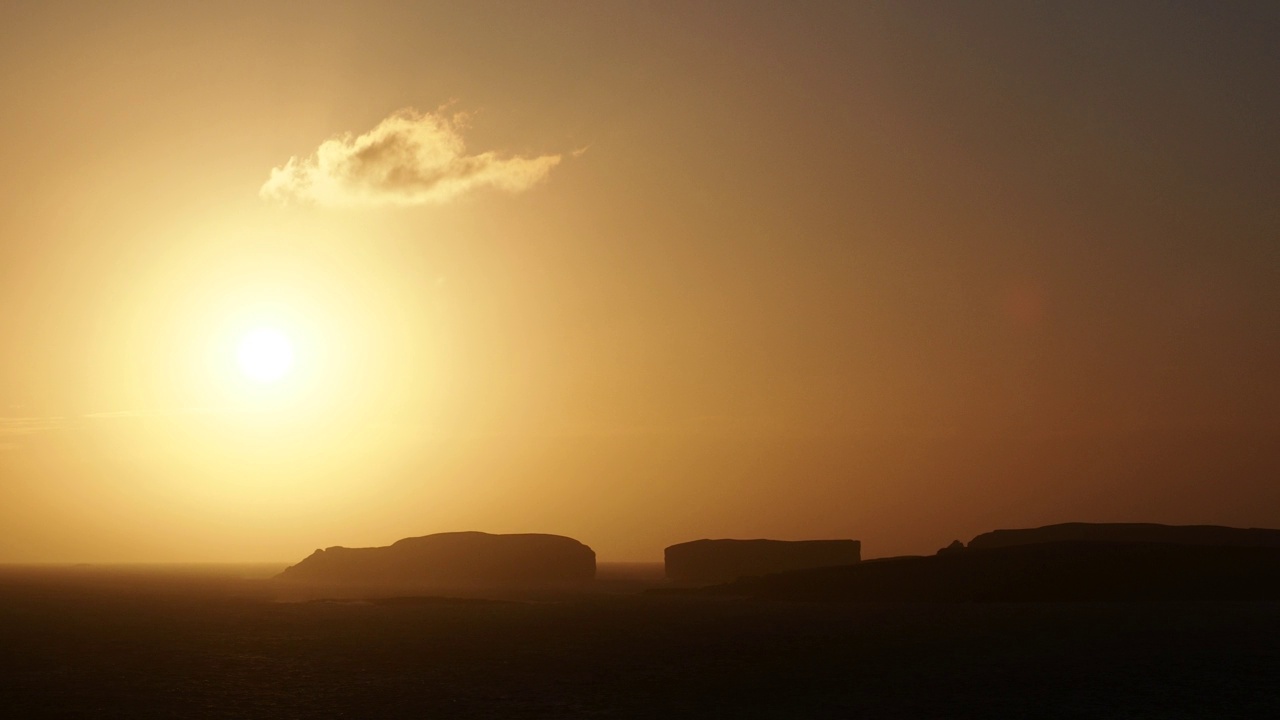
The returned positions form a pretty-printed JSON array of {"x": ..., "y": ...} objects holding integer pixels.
[{"x": 280, "y": 276}]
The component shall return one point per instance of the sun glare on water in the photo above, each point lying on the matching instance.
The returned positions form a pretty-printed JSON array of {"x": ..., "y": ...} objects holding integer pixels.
[{"x": 265, "y": 355}]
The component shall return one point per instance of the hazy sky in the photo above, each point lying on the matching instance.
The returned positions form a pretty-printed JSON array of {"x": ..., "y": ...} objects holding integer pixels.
[{"x": 637, "y": 273}]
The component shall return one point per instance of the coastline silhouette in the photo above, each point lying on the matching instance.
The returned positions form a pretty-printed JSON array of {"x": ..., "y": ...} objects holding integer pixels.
[{"x": 1065, "y": 562}]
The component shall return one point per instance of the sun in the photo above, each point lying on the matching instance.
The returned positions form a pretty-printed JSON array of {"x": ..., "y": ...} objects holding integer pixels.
[{"x": 265, "y": 355}]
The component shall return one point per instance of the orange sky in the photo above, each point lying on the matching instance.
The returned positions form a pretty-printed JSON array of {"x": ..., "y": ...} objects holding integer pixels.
[{"x": 636, "y": 273}]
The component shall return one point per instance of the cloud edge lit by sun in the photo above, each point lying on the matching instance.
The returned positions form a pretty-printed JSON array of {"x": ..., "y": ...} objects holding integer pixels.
[{"x": 409, "y": 158}]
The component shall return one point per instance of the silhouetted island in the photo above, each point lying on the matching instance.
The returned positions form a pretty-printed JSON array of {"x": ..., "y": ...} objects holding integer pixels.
[
  {"x": 716, "y": 561},
  {"x": 453, "y": 559},
  {"x": 1215, "y": 535},
  {"x": 1195, "y": 563}
]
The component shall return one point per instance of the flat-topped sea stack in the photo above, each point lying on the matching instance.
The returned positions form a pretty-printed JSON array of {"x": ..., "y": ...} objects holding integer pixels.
[
  {"x": 716, "y": 561},
  {"x": 456, "y": 559},
  {"x": 1208, "y": 535}
]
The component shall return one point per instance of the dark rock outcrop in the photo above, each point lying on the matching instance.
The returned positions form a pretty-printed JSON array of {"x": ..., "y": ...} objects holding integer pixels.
[
  {"x": 1057, "y": 572},
  {"x": 955, "y": 547},
  {"x": 1211, "y": 535},
  {"x": 473, "y": 559},
  {"x": 713, "y": 561}
]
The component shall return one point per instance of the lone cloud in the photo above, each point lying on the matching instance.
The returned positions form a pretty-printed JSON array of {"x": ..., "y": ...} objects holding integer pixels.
[{"x": 410, "y": 158}]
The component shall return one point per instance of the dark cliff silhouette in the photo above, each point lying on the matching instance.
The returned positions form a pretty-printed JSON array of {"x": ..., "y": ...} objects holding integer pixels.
[
  {"x": 453, "y": 559},
  {"x": 1215, "y": 535},
  {"x": 1225, "y": 564},
  {"x": 713, "y": 561}
]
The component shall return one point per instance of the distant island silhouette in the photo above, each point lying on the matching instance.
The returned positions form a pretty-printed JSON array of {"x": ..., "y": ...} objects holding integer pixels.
[
  {"x": 1064, "y": 562},
  {"x": 1214, "y": 535},
  {"x": 716, "y": 561},
  {"x": 474, "y": 559},
  {"x": 1069, "y": 562}
]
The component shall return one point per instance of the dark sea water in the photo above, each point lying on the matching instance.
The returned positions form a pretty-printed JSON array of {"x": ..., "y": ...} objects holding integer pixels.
[{"x": 215, "y": 643}]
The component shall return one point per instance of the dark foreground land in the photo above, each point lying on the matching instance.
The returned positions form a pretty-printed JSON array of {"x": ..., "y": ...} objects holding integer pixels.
[{"x": 208, "y": 644}]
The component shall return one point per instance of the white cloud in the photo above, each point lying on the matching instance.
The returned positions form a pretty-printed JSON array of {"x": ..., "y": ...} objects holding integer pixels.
[{"x": 410, "y": 158}]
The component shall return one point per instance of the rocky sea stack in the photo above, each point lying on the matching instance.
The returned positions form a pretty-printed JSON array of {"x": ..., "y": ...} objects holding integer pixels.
[{"x": 712, "y": 561}]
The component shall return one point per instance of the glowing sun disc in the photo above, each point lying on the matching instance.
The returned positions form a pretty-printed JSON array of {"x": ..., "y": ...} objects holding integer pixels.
[{"x": 265, "y": 355}]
